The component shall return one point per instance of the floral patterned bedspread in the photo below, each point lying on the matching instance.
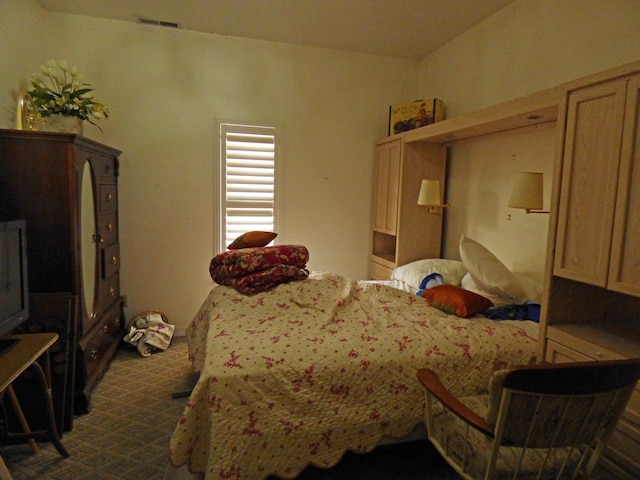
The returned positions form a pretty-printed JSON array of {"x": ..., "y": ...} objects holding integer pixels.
[{"x": 299, "y": 374}]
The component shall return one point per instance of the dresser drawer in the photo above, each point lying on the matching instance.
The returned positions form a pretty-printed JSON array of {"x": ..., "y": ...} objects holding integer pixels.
[
  {"x": 102, "y": 166},
  {"x": 108, "y": 198},
  {"x": 558, "y": 336},
  {"x": 110, "y": 260},
  {"x": 108, "y": 228},
  {"x": 558, "y": 353},
  {"x": 109, "y": 291},
  {"x": 104, "y": 337},
  {"x": 380, "y": 272},
  {"x": 620, "y": 456},
  {"x": 624, "y": 444}
]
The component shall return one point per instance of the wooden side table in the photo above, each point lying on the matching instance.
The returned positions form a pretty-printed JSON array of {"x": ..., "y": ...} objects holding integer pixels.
[{"x": 14, "y": 360}]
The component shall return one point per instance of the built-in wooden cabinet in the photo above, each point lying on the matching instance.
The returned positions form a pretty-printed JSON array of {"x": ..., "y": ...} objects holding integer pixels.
[
  {"x": 387, "y": 187},
  {"x": 624, "y": 272},
  {"x": 591, "y": 304},
  {"x": 599, "y": 210},
  {"x": 591, "y": 299},
  {"x": 620, "y": 456},
  {"x": 404, "y": 231}
]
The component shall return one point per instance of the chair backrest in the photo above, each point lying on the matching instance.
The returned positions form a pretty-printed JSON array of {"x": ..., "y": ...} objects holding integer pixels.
[{"x": 574, "y": 406}]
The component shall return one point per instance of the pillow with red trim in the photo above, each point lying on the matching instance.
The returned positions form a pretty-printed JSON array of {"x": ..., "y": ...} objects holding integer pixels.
[
  {"x": 252, "y": 239},
  {"x": 456, "y": 300}
]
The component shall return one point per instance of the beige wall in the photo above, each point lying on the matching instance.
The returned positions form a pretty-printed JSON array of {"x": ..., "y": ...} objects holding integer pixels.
[
  {"x": 166, "y": 88},
  {"x": 528, "y": 46}
]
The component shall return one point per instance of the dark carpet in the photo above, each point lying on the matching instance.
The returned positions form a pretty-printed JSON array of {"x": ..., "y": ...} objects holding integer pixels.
[{"x": 416, "y": 460}]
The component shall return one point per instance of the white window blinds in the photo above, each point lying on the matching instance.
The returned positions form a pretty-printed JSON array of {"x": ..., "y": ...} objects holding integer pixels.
[{"x": 248, "y": 179}]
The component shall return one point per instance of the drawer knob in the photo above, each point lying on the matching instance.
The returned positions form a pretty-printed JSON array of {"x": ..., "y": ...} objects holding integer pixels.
[
  {"x": 114, "y": 260},
  {"x": 109, "y": 197},
  {"x": 109, "y": 227},
  {"x": 116, "y": 323},
  {"x": 111, "y": 292},
  {"x": 93, "y": 354},
  {"x": 105, "y": 328}
]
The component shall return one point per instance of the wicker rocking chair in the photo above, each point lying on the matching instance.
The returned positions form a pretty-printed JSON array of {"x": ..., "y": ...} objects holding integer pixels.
[{"x": 537, "y": 421}]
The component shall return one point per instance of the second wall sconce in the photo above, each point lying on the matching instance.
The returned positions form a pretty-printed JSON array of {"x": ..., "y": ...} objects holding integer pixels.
[
  {"x": 527, "y": 192},
  {"x": 430, "y": 195}
]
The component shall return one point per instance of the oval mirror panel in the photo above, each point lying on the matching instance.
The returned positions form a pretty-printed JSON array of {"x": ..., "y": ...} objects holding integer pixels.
[{"x": 88, "y": 250}]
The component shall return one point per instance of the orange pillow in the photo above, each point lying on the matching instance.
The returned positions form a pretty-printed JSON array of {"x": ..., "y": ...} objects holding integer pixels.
[
  {"x": 456, "y": 300},
  {"x": 252, "y": 239}
]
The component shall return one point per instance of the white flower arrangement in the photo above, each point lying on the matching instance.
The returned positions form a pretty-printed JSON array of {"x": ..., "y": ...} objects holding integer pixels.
[{"x": 60, "y": 90}]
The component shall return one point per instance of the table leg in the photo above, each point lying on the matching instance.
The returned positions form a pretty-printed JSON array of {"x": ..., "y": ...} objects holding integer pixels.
[
  {"x": 21, "y": 418},
  {"x": 45, "y": 377}
]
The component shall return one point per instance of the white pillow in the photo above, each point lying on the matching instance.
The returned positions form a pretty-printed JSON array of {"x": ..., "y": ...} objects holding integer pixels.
[
  {"x": 412, "y": 273},
  {"x": 531, "y": 285},
  {"x": 488, "y": 272},
  {"x": 497, "y": 300}
]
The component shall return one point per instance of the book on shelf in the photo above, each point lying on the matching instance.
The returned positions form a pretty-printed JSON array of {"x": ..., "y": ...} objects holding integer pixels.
[{"x": 407, "y": 116}]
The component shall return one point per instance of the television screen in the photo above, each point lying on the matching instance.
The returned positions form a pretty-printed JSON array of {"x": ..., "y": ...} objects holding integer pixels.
[{"x": 14, "y": 292}]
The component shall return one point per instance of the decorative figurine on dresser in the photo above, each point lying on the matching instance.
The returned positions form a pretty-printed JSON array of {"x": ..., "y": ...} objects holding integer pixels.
[{"x": 66, "y": 187}]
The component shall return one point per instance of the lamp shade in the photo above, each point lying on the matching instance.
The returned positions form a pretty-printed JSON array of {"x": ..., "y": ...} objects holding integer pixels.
[
  {"x": 527, "y": 191},
  {"x": 429, "y": 192}
]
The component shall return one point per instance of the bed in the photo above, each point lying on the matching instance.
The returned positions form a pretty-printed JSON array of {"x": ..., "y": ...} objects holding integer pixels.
[{"x": 310, "y": 368}]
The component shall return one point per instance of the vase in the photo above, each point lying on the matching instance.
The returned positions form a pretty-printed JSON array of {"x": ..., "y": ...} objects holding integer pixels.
[{"x": 63, "y": 124}]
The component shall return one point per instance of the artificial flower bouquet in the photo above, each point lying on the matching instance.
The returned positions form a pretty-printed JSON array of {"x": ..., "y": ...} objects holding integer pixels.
[{"x": 60, "y": 89}]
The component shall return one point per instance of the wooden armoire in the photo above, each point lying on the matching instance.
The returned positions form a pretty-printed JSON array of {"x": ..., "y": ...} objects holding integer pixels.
[{"x": 65, "y": 186}]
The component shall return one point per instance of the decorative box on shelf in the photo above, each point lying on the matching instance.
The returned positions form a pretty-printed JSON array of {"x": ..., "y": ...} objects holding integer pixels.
[{"x": 407, "y": 116}]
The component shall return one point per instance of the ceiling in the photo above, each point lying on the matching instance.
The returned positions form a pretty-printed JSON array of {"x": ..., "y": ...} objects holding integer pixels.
[{"x": 408, "y": 29}]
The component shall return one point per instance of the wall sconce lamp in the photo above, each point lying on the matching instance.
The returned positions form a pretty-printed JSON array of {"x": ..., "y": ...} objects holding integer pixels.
[
  {"x": 527, "y": 192},
  {"x": 430, "y": 195}
]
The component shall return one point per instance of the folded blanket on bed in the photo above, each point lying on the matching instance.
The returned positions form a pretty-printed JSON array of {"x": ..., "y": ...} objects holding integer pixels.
[{"x": 252, "y": 270}]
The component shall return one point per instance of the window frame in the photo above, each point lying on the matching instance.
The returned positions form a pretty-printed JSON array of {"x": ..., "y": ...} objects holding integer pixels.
[{"x": 220, "y": 202}]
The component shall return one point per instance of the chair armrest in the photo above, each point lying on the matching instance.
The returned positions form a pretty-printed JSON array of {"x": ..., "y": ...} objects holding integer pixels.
[{"x": 431, "y": 382}]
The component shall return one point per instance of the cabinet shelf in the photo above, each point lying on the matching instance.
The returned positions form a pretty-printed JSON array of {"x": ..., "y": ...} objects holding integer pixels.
[
  {"x": 385, "y": 260},
  {"x": 534, "y": 109},
  {"x": 531, "y": 110}
]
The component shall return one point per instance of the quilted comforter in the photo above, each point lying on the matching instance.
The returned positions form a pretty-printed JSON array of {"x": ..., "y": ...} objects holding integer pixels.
[{"x": 301, "y": 373}]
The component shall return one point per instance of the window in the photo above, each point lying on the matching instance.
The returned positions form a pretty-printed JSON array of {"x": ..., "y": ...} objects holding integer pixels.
[{"x": 248, "y": 178}]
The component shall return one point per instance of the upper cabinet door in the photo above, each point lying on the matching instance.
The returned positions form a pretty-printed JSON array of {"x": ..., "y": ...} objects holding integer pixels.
[
  {"x": 624, "y": 276},
  {"x": 387, "y": 187},
  {"x": 591, "y": 159}
]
